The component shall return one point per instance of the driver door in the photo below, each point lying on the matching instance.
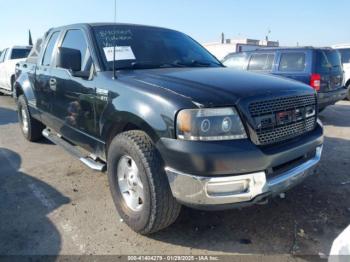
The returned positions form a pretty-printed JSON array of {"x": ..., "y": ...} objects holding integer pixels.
[{"x": 74, "y": 97}]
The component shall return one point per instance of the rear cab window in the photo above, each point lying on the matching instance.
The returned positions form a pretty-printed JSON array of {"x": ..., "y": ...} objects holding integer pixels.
[
  {"x": 261, "y": 62},
  {"x": 292, "y": 62},
  {"x": 19, "y": 53}
]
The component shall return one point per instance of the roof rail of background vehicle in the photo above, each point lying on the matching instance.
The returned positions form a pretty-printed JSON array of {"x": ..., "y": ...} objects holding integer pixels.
[
  {"x": 293, "y": 48},
  {"x": 87, "y": 25},
  {"x": 20, "y": 47},
  {"x": 340, "y": 46}
]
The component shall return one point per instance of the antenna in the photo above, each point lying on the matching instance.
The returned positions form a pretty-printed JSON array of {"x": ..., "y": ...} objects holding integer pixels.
[
  {"x": 268, "y": 34},
  {"x": 30, "y": 40},
  {"x": 115, "y": 11},
  {"x": 115, "y": 43}
]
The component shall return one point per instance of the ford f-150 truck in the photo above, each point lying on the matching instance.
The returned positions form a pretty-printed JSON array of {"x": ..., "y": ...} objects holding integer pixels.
[{"x": 172, "y": 126}]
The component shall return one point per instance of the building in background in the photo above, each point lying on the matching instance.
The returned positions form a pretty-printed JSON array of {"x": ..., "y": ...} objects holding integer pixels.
[{"x": 226, "y": 46}]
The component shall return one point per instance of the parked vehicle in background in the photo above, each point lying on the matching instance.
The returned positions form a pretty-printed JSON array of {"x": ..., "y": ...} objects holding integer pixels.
[
  {"x": 172, "y": 124},
  {"x": 320, "y": 68},
  {"x": 344, "y": 51},
  {"x": 8, "y": 59}
]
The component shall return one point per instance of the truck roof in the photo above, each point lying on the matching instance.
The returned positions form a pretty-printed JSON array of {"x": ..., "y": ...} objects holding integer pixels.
[
  {"x": 20, "y": 47},
  {"x": 86, "y": 25}
]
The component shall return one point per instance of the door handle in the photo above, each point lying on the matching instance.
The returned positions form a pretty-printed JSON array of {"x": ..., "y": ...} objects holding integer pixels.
[{"x": 53, "y": 84}]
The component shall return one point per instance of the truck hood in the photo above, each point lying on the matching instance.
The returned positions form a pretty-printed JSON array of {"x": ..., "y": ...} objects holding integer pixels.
[{"x": 216, "y": 86}]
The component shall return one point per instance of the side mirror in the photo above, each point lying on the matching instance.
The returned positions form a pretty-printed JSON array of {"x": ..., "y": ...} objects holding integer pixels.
[{"x": 69, "y": 58}]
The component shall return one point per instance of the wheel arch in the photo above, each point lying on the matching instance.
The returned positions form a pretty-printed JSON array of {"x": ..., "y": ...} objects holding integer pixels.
[
  {"x": 348, "y": 83},
  {"x": 125, "y": 121}
]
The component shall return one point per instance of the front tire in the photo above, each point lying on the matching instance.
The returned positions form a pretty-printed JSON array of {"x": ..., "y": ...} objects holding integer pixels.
[
  {"x": 138, "y": 183},
  {"x": 31, "y": 128}
]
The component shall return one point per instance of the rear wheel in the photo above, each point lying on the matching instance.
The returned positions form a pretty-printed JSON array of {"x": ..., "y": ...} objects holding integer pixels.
[
  {"x": 31, "y": 128},
  {"x": 348, "y": 96},
  {"x": 138, "y": 183}
]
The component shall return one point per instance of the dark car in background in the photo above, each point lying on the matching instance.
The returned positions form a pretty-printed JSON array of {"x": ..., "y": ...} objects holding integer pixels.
[{"x": 321, "y": 68}]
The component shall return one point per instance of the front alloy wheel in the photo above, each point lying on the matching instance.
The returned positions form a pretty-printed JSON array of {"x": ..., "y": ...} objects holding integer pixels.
[{"x": 130, "y": 184}]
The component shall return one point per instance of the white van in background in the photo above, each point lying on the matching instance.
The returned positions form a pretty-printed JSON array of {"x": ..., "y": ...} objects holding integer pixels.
[
  {"x": 345, "y": 57},
  {"x": 8, "y": 60}
]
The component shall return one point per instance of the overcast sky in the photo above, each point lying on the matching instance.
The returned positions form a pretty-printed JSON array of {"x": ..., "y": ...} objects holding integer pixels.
[{"x": 319, "y": 23}]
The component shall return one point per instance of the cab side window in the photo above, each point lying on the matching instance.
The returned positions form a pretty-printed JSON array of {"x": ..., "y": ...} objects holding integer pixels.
[
  {"x": 261, "y": 62},
  {"x": 47, "y": 60},
  {"x": 3, "y": 55},
  {"x": 75, "y": 39}
]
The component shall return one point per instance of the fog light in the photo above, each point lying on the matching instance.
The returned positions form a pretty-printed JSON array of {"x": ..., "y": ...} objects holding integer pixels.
[{"x": 227, "y": 188}]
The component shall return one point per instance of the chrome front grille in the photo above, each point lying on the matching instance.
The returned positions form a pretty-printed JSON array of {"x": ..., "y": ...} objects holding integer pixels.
[{"x": 282, "y": 119}]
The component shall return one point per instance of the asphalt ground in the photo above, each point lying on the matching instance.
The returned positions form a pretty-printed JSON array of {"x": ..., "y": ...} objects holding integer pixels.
[{"x": 51, "y": 204}]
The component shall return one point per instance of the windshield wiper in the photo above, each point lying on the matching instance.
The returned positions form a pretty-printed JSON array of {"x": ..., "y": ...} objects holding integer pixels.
[
  {"x": 177, "y": 63},
  {"x": 138, "y": 65},
  {"x": 195, "y": 63}
]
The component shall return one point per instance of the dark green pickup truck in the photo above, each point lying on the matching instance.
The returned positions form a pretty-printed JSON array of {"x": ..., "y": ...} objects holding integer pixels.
[{"x": 172, "y": 125}]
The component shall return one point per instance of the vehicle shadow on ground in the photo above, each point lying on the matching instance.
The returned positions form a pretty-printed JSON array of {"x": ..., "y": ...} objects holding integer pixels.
[
  {"x": 25, "y": 203},
  {"x": 8, "y": 116},
  {"x": 337, "y": 115},
  {"x": 305, "y": 222}
]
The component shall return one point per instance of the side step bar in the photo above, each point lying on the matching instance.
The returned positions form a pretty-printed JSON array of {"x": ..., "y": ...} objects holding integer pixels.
[{"x": 89, "y": 161}]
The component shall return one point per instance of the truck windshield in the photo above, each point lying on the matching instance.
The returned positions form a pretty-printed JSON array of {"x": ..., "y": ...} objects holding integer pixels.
[
  {"x": 19, "y": 53},
  {"x": 138, "y": 47}
]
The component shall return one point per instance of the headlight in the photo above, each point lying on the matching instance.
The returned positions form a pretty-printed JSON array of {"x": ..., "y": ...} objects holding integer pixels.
[{"x": 209, "y": 124}]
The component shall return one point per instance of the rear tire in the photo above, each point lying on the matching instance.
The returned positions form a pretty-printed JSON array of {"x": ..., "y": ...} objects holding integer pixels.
[
  {"x": 133, "y": 156},
  {"x": 30, "y": 127},
  {"x": 12, "y": 85},
  {"x": 348, "y": 96}
]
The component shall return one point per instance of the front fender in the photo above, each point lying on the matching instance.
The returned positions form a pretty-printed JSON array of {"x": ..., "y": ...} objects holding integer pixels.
[{"x": 147, "y": 112}]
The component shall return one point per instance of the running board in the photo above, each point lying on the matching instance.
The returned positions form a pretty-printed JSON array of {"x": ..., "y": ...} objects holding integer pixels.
[{"x": 90, "y": 161}]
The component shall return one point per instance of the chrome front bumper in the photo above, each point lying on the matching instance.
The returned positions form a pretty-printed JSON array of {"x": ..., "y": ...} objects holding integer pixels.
[{"x": 196, "y": 190}]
